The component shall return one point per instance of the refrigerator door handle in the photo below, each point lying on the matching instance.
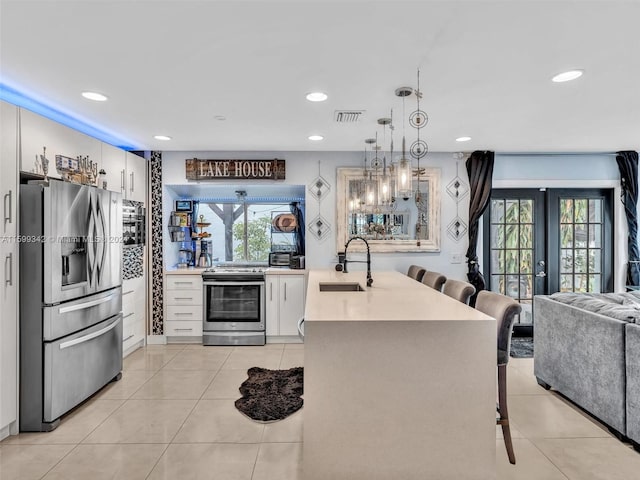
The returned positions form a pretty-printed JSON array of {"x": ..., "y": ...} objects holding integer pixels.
[
  {"x": 7, "y": 217},
  {"x": 91, "y": 336},
  {"x": 8, "y": 278},
  {"x": 103, "y": 241},
  {"x": 82, "y": 306}
]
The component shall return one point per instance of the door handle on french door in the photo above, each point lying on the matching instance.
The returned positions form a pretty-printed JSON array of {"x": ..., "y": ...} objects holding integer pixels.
[
  {"x": 8, "y": 279},
  {"x": 541, "y": 274}
]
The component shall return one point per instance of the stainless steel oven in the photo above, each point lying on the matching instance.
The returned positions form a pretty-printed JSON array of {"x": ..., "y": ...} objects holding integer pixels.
[{"x": 234, "y": 306}]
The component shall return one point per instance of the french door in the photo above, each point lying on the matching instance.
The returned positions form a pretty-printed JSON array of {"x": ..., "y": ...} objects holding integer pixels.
[{"x": 539, "y": 241}]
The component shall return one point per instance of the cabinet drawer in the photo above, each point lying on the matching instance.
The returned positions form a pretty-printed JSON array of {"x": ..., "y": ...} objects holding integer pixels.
[
  {"x": 184, "y": 282},
  {"x": 184, "y": 313},
  {"x": 183, "y": 297},
  {"x": 182, "y": 328}
]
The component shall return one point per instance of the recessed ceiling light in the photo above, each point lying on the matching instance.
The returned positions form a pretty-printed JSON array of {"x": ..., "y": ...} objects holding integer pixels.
[
  {"x": 463, "y": 139},
  {"x": 220, "y": 118},
  {"x": 317, "y": 97},
  {"x": 567, "y": 76},
  {"x": 161, "y": 137},
  {"x": 316, "y": 138},
  {"x": 98, "y": 97}
]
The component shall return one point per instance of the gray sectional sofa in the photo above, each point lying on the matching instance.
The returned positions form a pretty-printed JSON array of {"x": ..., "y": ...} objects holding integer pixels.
[{"x": 587, "y": 347}]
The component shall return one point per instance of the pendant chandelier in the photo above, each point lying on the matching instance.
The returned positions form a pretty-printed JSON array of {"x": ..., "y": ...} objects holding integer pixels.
[
  {"x": 384, "y": 181},
  {"x": 385, "y": 186},
  {"x": 403, "y": 168}
]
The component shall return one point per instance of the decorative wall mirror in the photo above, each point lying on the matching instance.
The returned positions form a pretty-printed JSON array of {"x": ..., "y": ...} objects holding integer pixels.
[{"x": 408, "y": 226}]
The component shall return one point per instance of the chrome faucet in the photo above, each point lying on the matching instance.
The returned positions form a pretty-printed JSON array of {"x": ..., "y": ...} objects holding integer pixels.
[{"x": 346, "y": 246}]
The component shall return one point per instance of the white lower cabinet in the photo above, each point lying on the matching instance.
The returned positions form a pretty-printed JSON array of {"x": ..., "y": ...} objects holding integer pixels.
[
  {"x": 133, "y": 314},
  {"x": 183, "y": 305},
  {"x": 285, "y": 304},
  {"x": 9, "y": 275}
]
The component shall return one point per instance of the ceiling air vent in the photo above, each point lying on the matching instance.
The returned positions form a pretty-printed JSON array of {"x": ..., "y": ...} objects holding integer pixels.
[{"x": 348, "y": 116}]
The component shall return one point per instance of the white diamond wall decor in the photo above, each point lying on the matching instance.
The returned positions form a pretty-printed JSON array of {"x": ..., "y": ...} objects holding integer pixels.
[
  {"x": 457, "y": 229},
  {"x": 319, "y": 188},
  {"x": 319, "y": 227},
  {"x": 457, "y": 189}
]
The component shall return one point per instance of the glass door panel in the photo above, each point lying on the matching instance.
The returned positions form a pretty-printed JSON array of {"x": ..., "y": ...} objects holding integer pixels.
[{"x": 545, "y": 241}]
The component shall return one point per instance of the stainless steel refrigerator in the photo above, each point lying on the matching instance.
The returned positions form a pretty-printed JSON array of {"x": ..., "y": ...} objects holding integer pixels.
[{"x": 70, "y": 297}]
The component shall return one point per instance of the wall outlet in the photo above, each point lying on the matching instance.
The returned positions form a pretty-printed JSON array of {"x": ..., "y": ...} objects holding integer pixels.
[{"x": 455, "y": 258}]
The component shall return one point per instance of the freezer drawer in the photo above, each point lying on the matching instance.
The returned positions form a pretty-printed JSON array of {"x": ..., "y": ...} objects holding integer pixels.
[
  {"x": 73, "y": 316},
  {"x": 77, "y": 366}
]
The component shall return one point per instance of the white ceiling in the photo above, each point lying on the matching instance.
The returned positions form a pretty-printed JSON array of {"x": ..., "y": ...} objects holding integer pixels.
[{"x": 170, "y": 67}]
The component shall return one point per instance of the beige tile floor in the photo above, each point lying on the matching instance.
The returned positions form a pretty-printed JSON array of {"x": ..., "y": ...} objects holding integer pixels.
[{"x": 172, "y": 417}]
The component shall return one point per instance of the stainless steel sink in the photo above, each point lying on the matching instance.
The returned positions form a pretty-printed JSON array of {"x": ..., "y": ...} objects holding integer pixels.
[{"x": 341, "y": 287}]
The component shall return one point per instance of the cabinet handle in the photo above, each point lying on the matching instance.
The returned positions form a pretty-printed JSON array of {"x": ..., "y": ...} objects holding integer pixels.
[
  {"x": 131, "y": 180},
  {"x": 271, "y": 292},
  {"x": 122, "y": 180},
  {"x": 127, "y": 315},
  {"x": 285, "y": 291},
  {"x": 125, "y": 339},
  {"x": 183, "y": 283},
  {"x": 183, "y": 298},
  {"x": 8, "y": 216},
  {"x": 127, "y": 293},
  {"x": 182, "y": 314},
  {"x": 8, "y": 278},
  {"x": 183, "y": 329}
]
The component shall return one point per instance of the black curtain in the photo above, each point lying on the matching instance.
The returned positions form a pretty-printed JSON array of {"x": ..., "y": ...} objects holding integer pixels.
[
  {"x": 628, "y": 165},
  {"x": 297, "y": 212},
  {"x": 480, "y": 170}
]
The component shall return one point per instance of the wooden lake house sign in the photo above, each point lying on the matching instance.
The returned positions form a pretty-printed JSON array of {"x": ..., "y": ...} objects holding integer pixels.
[{"x": 199, "y": 169}]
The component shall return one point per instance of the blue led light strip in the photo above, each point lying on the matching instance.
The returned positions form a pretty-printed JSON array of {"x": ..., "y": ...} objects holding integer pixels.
[{"x": 11, "y": 95}]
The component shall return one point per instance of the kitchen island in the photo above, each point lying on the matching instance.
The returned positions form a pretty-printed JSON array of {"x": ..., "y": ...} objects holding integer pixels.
[{"x": 400, "y": 382}]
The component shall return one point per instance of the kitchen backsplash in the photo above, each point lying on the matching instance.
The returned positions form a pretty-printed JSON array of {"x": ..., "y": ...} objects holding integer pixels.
[{"x": 132, "y": 262}]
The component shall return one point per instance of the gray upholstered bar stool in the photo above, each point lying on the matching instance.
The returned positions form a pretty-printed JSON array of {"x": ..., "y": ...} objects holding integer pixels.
[
  {"x": 434, "y": 280},
  {"x": 504, "y": 309},
  {"x": 416, "y": 272},
  {"x": 459, "y": 290}
]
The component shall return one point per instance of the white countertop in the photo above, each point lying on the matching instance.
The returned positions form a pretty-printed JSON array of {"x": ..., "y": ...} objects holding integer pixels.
[
  {"x": 392, "y": 297},
  {"x": 285, "y": 271},
  {"x": 199, "y": 270},
  {"x": 184, "y": 271}
]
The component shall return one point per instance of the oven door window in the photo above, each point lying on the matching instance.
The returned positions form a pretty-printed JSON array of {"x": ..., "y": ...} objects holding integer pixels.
[{"x": 233, "y": 303}]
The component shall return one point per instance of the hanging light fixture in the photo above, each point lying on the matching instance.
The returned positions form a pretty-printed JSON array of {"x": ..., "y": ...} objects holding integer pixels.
[
  {"x": 371, "y": 181},
  {"x": 384, "y": 182},
  {"x": 403, "y": 166},
  {"x": 418, "y": 119}
]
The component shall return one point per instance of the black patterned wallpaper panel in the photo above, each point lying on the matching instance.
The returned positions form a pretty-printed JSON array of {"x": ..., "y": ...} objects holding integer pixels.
[{"x": 157, "y": 270}]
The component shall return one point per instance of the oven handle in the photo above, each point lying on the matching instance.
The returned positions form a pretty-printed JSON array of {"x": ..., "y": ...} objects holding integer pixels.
[{"x": 224, "y": 283}]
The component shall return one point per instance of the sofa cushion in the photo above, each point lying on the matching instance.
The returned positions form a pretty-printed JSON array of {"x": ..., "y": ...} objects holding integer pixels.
[{"x": 615, "y": 305}]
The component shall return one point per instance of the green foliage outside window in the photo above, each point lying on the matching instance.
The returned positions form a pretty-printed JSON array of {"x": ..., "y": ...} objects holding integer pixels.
[{"x": 258, "y": 241}]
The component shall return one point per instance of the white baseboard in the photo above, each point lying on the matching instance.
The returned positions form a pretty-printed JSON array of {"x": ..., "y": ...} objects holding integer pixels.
[
  {"x": 11, "y": 429},
  {"x": 133, "y": 348},
  {"x": 156, "y": 340},
  {"x": 284, "y": 339},
  {"x": 195, "y": 339}
]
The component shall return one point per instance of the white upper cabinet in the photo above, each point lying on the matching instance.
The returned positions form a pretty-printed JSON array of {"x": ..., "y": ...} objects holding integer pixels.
[
  {"x": 38, "y": 133},
  {"x": 125, "y": 172},
  {"x": 136, "y": 178},
  {"x": 114, "y": 163}
]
